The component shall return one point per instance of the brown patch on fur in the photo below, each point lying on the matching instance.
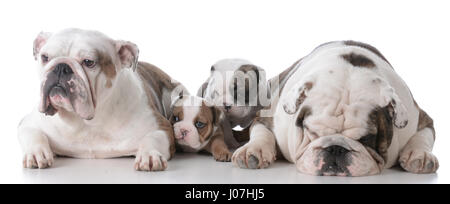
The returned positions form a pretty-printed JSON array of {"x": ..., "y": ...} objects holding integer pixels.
[
  {"x": 107, "y": 67},
  {"x": 358, "y": 60},
  {"x": 166, "y": 126},
  {"x": 218, "y": 148},
  {"x": 207, "y": 116},
  {"x": 368, "y": 47},
  {"x": 425, "y": 121},
  {"x": 155, "y": 81},
  {"x": 380, "y": 131}
]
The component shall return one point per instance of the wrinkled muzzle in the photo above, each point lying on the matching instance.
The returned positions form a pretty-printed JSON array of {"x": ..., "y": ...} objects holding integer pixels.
[
  {"x": 65, "y": 86},
  {"x": 338, "y": 156}
]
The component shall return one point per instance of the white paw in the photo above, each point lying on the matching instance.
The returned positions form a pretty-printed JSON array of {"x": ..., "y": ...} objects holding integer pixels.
[
  {"x": 40, "y": 157},
  {"x": 254, "y": 156},
  {"x": 150, "y": 161},
  {"x": 419, "y": 162}
]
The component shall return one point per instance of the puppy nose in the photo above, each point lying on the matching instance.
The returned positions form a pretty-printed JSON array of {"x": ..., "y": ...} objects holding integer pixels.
[
  {"x": 336, "y": 150},
  {"x": 227, "y": 107},
  {"x": 184, "y": 133},
  {"x": 62, "y": 69}
]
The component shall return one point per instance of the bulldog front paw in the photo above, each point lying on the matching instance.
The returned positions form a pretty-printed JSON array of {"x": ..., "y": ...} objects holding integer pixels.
[
  {"x": 150, "y": 161},
  {"x": 419, "y": 162},
  {"x": 40, "y": 158},
  {"x": 254, "y": 156},
  {"x": 223, "y": 156}
]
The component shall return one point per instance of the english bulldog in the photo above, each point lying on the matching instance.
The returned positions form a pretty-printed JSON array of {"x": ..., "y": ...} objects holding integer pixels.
[
  {"x": 342, "y": 111},
  {"x": 235, "y": 86},
  {"x": 97, "y": 101},
  {"x": 198, "y": 125}
]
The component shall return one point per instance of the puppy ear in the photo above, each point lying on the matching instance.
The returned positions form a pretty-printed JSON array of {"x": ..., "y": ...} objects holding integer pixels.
[
  {"x": 175, "y": 101},
  {"x": 202, "y": 90},
  {"x": 39, "y": 42},
  {"x": 253, "y": 74},
  {"x": 128, "y": 53},
  {"x": 296, "y": 96}
]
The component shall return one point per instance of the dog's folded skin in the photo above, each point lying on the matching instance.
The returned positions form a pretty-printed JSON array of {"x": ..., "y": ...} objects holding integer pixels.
[
  {"x": 97, "y": 101},
  {"x": 342, "y": 111}
]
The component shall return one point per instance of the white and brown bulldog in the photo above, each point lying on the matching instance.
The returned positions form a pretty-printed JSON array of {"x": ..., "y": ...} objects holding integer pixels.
[
  {"x": 342, "y": 111},
  {"x": 239, "y": 89},
  {"x": 198, "y": 125},
  {"x": 97, "y": 101}
]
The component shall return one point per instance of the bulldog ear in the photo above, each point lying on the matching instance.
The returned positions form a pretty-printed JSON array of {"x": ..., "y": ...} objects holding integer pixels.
[
  {"x": 39, "y": 42},
  {"x": 296, "y": 96},
  {"x": 254, "y": 75},
  {"x": 385, "y": 131},
  {"x": 128, "y": 53},
  {"x": 391, "y": 100},
  {"x": 398, "y": 113}
]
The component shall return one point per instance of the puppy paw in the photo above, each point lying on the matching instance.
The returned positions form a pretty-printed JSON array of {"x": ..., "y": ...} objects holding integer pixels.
[
  {"x": 419, "y": 162},
  {"x": 150, "y": 161},
  {"x": 254, "y": 156},
  {"x": 40, "y": 157},
  {"x": 223, "y": 156}
]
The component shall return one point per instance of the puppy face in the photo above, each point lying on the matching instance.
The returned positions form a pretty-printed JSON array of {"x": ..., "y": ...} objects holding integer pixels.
[
  {"x": 78, "y": 69},
  {"x": 234, "y": 87},
  {"x": 344, "y": 133},
  {"x": 194, "y": 122}
]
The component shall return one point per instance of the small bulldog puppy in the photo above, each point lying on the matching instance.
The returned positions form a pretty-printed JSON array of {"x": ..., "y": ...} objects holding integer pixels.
[
  {"x": 201, "y": 126},
  {"x": 235, "y": 86},
  {"x": 342, "y": 111},
  {"x": 97, "y": 101}
]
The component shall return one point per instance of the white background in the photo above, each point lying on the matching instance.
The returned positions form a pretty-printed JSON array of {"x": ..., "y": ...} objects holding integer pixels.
[{"x": 185, "y": 38}]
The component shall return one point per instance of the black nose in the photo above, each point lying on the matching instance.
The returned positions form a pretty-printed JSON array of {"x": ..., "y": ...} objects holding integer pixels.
[
  {"x": 336, "y": 150},
  {"x": 227, "y": 107},
  {"x": 62, "y": 69}
]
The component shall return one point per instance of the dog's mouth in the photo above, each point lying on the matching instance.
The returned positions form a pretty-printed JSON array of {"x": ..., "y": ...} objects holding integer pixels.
[{"x": 54, "y": 97}]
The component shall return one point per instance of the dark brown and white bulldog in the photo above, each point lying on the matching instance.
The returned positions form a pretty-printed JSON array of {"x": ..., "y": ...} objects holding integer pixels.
[
  {"x": 342, "y": 111},
  {"x": 200, "y": 126},
  {"x": 97, "y": 101},
  {"x": 239, "y": 89}
]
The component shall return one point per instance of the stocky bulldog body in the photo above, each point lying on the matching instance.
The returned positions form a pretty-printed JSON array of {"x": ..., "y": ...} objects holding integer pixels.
[
  {"x": 342, "y": 111},
  {"x": 235, "y": 86},
  {"x": 200, "y": 126},
  {"x": 97, "y": 101}
]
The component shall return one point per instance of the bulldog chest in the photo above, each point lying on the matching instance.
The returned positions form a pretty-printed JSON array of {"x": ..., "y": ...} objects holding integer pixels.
[{"x": 93, "y": 143}]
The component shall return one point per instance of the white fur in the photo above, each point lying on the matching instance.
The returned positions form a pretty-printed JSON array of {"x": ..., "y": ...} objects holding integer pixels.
[
  {"x": 341, "y": 99},
  {"x": 123, "y": 125}
]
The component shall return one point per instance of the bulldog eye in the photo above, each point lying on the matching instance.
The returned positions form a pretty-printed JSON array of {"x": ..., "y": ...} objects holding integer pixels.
[
  {"x": 176, "y": 118},
  {"x": 44, "y": 58},
  {"x": 89, "y": 63},
  {"x": 200, "y": 125}
]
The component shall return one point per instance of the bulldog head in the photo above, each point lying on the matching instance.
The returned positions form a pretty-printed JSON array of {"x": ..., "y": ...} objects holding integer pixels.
[
  {"x": 235, "y": 86},
  {"x": 344, "y": 132},
  {"x": 194, "y": 121},
  {"x": 78, "y": 69}
]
